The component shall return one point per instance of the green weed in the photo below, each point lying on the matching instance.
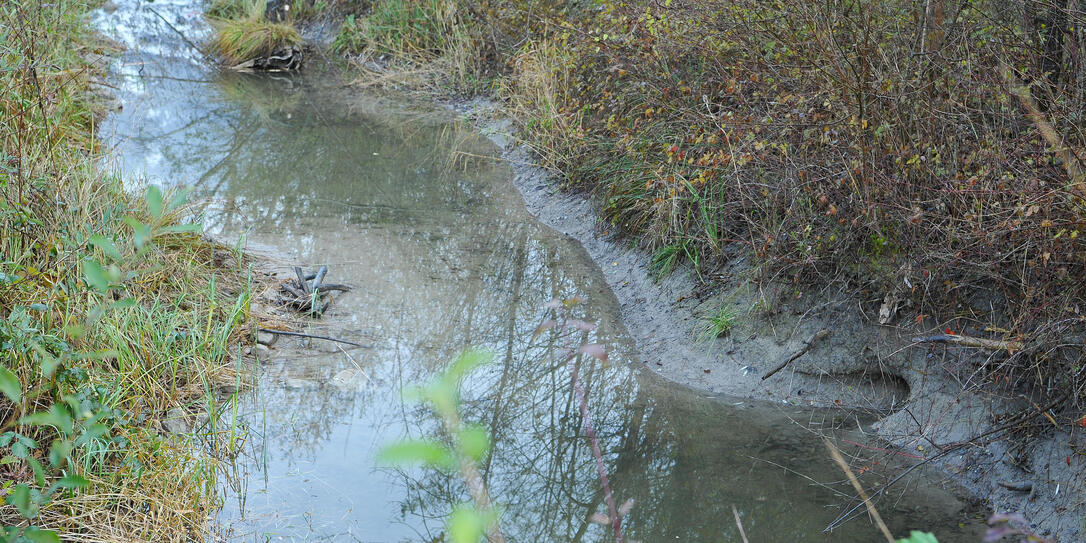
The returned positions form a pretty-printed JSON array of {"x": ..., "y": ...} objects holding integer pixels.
[
  {"x": 718, "y": 324},
  {"x": 112, "y": 311},
  {"x": 466, "y": 446}
]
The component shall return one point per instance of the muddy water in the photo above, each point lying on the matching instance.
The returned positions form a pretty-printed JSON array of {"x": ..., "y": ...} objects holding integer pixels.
[{"x": 413, "y": 209}]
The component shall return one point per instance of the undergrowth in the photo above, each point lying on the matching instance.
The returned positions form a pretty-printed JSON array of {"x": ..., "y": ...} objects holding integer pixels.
[
  {"x": 927, "y": 152},
  {"x": 113, "y": 310},
  {"x": 428, "y": 40}
]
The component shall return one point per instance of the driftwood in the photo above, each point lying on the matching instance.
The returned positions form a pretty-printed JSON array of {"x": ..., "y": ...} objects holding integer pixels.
[
  {"x": 821, "y": 334},
  {"x": 978, "y": 342},
  {"x": 305, "y": 297},
  {"x": 284, "y": 59}
]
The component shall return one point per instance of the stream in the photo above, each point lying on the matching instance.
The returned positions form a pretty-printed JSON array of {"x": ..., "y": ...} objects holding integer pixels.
[{"x": 416, "y": 210}]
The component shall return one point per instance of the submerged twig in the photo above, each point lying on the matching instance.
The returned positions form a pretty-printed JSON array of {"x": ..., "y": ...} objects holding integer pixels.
[
  {"x": 179, "y": 33},
  {"x": 314, "y": 336},
  {"x": 739, "y": 524},
  {"x": 836, "y": 454}
]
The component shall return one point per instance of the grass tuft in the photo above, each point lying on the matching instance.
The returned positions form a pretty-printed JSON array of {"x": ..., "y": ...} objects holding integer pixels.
[
  {"x": 718, "y": 324},
  {"x": 245, "y": 39},
  {"x": 242, "y": 33}
]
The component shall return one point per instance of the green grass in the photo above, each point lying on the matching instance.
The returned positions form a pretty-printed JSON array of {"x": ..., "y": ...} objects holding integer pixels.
[
  {"x": 718, "y": 324},
  {"x": 413, "y": 28},
  {"x": 113, "y": 310}
]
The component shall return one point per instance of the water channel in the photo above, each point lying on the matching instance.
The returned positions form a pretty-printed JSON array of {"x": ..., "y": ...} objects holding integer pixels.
[{"x": 415, "y": 209}]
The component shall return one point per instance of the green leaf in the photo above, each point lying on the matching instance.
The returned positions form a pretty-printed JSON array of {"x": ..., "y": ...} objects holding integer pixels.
[
  {"x": 106, "y": 246},
  {"x": 37, "y": 535},
  {"x": 124, "y": 303},
  {"x": 141, "y": 233},
  {"x": 73, "y": 481},
  {"x": 10, "y": 385},
  {"x": 56, "y": 416},
  {"x": 180, "y": 198},
  {"x": 153, "y": 196},
  {"x": 465, "y": 525},
  {"x": 917, "y": 536},
  {"x": 474, "y": 441},
  {"x": 20, "y": 498},
  {"x": 59, "y": 451},
  {"x": 424, "y": 452},
  {"x": 467, "y": 361},
  {"x": 95, "y": 275},
  {"x": 39, "y": 472},
  {"x": 91, "y": 433}
]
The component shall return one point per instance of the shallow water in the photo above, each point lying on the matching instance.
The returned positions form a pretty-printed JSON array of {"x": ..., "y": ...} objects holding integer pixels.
[{"x": 413, "y": 209}]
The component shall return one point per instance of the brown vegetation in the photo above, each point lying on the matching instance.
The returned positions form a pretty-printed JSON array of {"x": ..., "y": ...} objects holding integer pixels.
[{"x": 923, "y": 151}]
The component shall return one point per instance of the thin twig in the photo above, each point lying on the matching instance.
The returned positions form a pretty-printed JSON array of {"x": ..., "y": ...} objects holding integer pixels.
[
  {"x": 179, "y": 33},
  {"x": 590, "y": 431},
  {"x": 359, "y": 368},
  {"x": 739, "y": 524},
  {"x": 836, "y": 454},
  {"x": 312, "y": 336},
  {"x": 302, "y": 283},
  {"x": 967, "y": 341},
  {"x": 810, "y": 343}
]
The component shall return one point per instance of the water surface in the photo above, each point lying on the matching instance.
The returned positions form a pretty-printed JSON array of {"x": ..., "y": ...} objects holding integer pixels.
[{"x": 414, "y": 209}]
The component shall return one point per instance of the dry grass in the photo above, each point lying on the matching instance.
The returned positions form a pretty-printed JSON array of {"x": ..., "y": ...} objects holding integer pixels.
[
  {"x": 244, "y": 34},
  {"x": 245, "y": 39}
]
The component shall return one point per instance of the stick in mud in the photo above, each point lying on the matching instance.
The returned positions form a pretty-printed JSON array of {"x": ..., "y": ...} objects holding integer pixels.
[
  {"x": 319, "y": 277},
  {"x": 301, "y": 280},
  {"x": 810, "y": 343}
]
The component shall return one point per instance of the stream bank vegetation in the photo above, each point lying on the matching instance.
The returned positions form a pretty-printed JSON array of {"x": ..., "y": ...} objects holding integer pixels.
[
  {"x": 250, "y": 29},
  {"x": 114, "y": 310},
  {"x": 927, "y": 154}
]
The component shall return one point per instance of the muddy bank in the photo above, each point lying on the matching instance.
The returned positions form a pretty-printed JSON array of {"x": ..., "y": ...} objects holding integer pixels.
[{"x": 923, "y": 394}]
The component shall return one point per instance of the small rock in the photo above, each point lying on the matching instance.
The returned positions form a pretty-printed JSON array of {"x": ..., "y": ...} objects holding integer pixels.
[
  {"x": 294, "y": 383},
  {"x": 177, "y": 421},
  {"x": 350, "y": 378},
  {"x": 266, "y": 338},
  {"x": 263, "y": 353}
]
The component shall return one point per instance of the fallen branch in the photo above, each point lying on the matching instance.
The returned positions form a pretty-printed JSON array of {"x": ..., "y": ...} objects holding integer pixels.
[
  {"x": 319, "y": 277},
  {"x": 978, "y": 342},
  {"x": 327, "y": 287},
  {"x": 1056, "y": 143},
  {"x": 299, "y": 294},
  {"x": 302, "y": 283},
  {"x": 807, "y": 347},
  {"x": 179, "y": 33},
  {"x": 312, "y": 336},
  {"x": 1016, "y": 420}
]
